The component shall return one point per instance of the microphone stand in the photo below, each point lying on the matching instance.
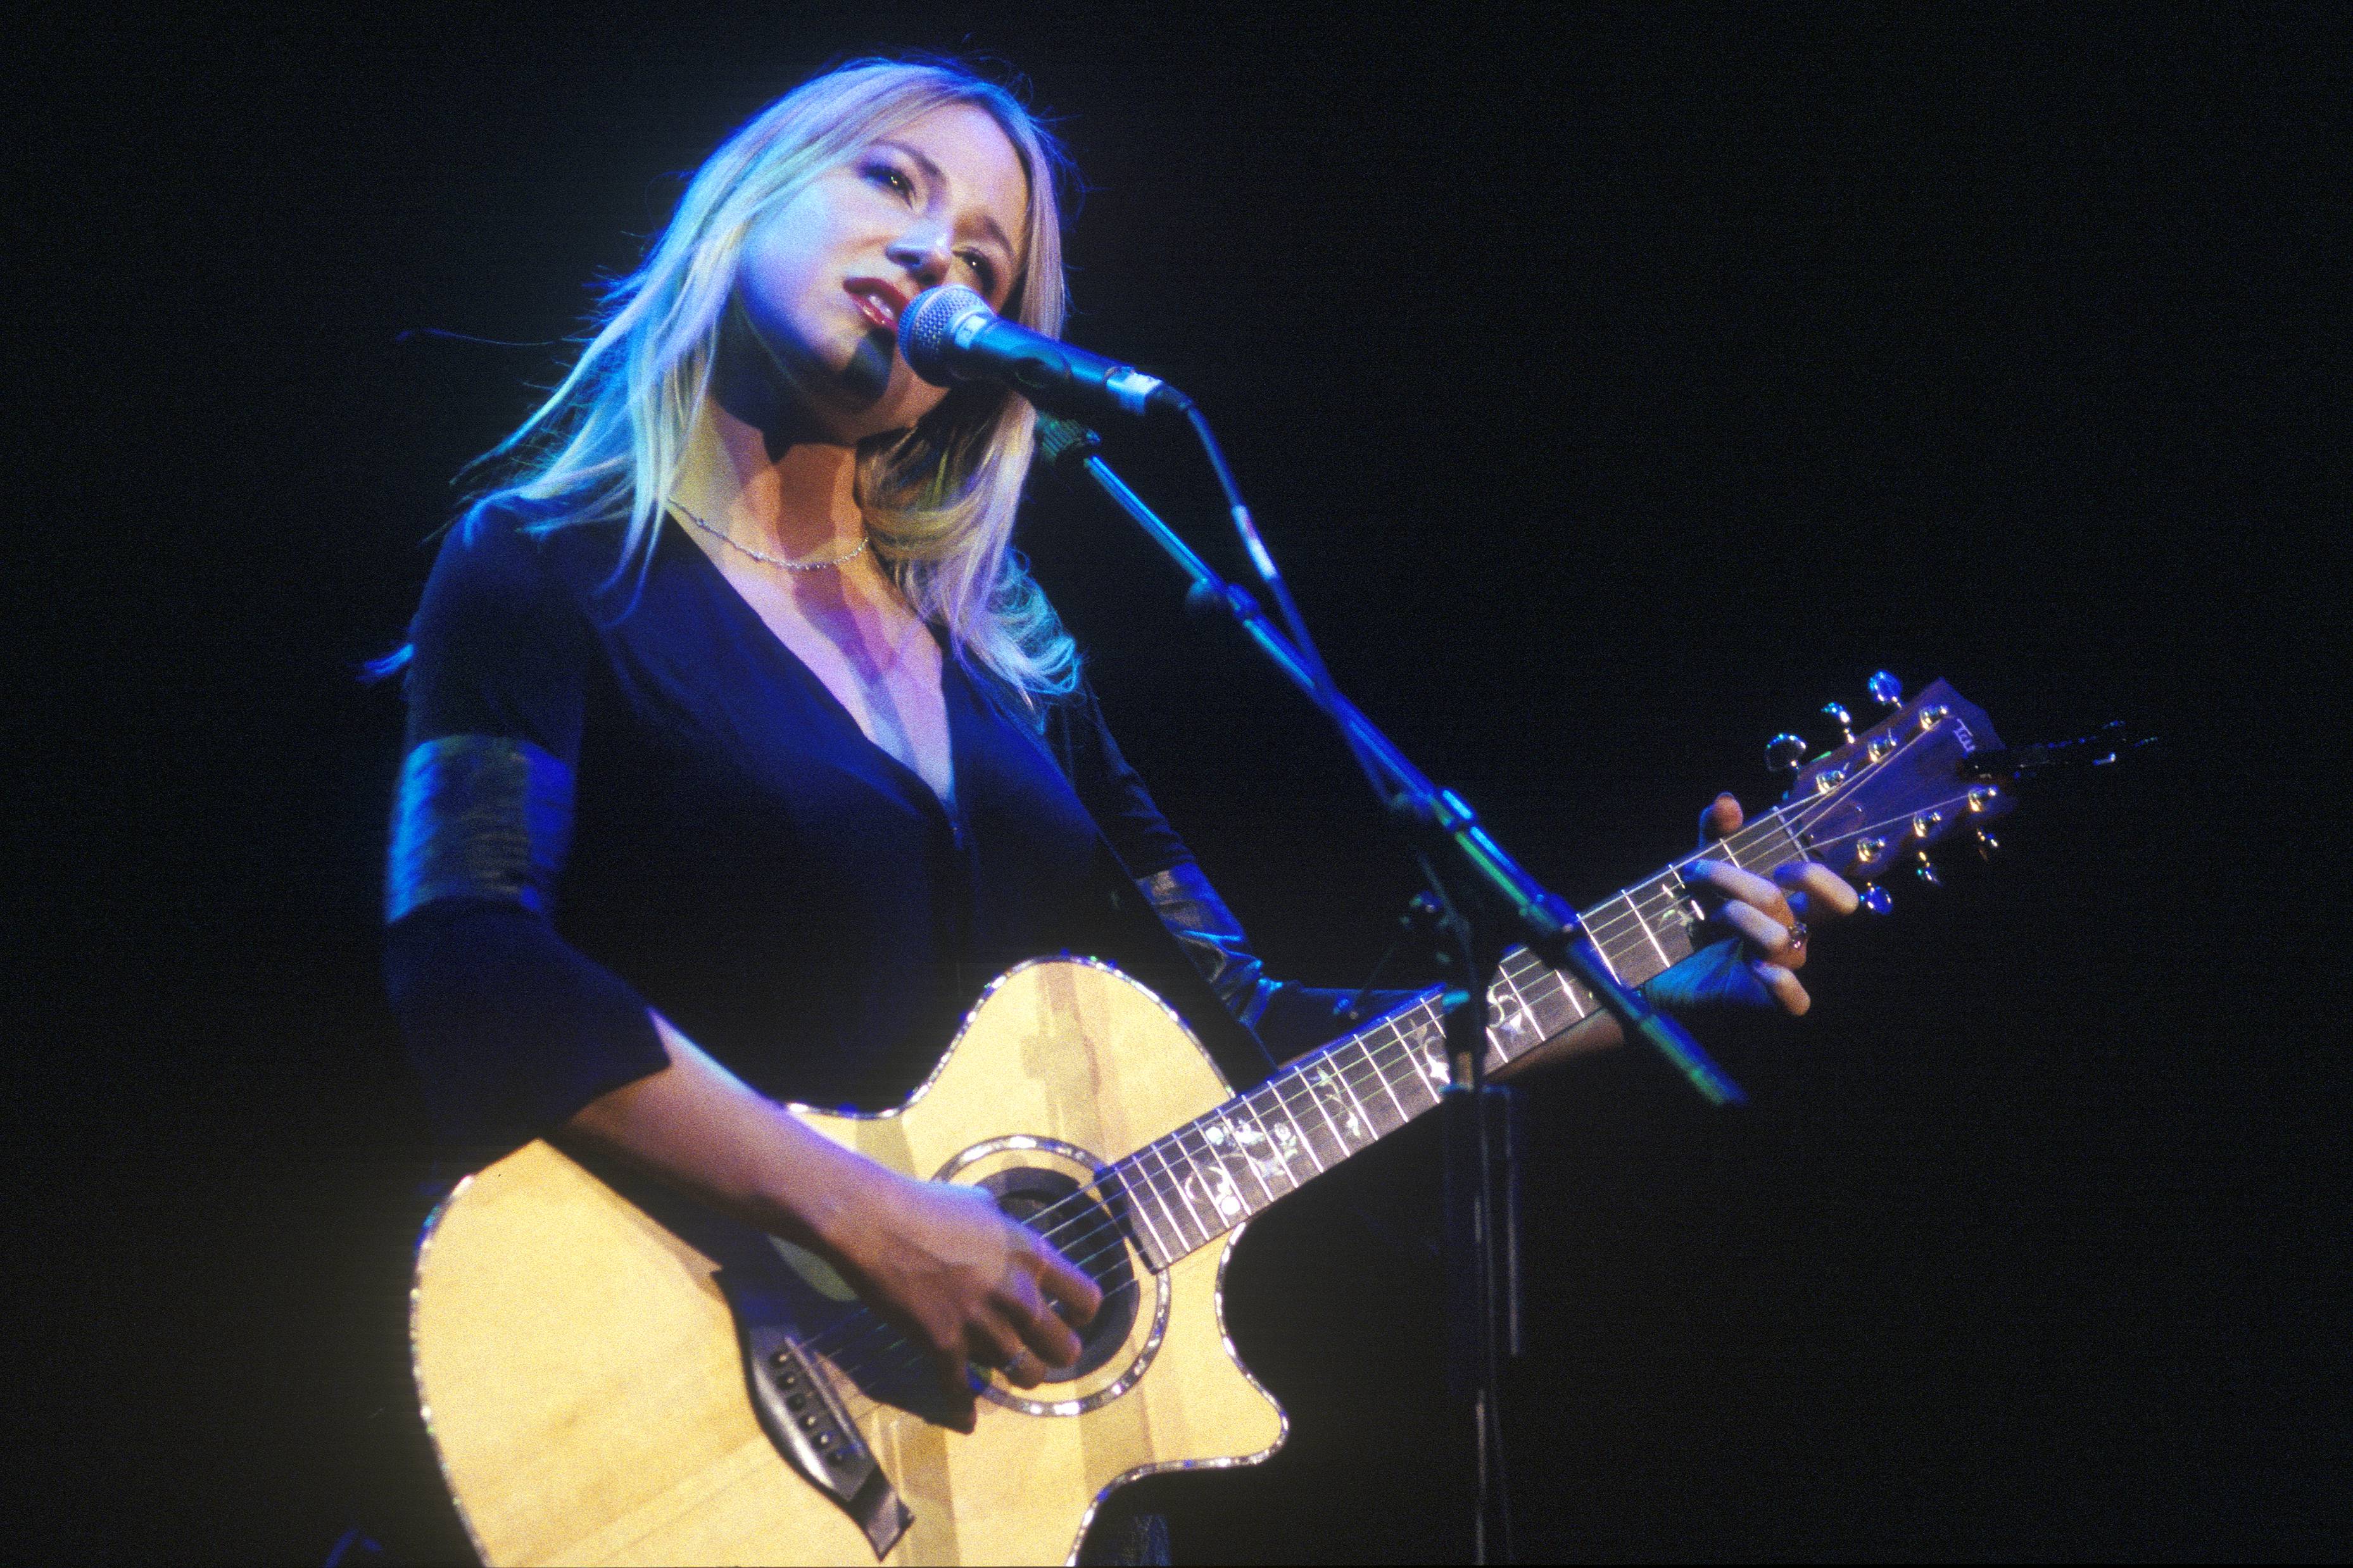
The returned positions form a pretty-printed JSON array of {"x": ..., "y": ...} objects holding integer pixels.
[{"x": 1485, "y": 899}]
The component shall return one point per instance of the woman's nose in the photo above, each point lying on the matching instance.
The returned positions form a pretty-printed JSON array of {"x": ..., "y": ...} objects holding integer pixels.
[{"x": 927, "y": 254}]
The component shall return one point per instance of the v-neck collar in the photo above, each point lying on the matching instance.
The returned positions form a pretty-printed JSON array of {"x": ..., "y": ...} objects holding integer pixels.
[{"x": 760, "y": 631}]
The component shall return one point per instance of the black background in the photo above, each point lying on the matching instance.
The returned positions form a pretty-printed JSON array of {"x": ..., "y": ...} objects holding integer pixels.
[{"x": 1617, "y": 384}]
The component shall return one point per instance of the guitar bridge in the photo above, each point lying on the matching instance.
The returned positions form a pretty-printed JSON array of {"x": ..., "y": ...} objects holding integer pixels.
[{"x": 802, "y": 1414}]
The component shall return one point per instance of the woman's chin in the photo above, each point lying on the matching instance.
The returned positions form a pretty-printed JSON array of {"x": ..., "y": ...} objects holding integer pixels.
[{"x": 866, "y": 379}]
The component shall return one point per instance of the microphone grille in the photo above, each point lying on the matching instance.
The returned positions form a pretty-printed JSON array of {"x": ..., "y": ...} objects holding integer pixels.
[{"x": 926, "y": 329}]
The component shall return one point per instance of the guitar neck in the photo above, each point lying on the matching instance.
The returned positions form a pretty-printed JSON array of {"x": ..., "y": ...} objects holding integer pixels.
[{"x": 1186, "y": 1189}]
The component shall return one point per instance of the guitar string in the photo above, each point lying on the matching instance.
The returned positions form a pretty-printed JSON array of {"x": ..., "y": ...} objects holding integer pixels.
[
  {"x": 1095, "y": 1217},
  {"x": 1109, "y": 1223},
  {"x": 1353, "y": 1076},
  {"x": 1101, "y": 1221}
]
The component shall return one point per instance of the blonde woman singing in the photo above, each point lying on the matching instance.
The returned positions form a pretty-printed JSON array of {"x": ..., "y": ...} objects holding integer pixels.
[{"x": 740, "y": 664}]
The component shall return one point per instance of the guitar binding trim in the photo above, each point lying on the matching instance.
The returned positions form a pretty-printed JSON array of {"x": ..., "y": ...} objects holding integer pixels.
[{"x": 1228, "y": 1462}]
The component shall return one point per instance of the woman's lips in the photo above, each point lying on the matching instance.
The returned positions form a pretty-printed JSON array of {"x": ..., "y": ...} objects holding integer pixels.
[{"x": 878, "y": 303}]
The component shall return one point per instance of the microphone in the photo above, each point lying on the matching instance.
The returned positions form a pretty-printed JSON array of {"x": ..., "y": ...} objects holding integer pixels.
[{"x": 949, "y": 334}]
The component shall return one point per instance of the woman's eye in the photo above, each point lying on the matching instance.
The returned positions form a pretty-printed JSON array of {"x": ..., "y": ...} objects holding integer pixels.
[
  {"x": 981, "y": 270},
  {"x": 884, "y": 175}
]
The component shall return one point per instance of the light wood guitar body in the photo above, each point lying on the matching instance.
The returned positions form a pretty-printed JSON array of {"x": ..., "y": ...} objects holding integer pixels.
[
  {"x": 581, "y": 1373},
  {"x": 604, "y": 1386}
]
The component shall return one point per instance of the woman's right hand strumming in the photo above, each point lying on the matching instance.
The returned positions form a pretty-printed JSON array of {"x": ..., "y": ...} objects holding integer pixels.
[{"x": 967, "y": 1283}]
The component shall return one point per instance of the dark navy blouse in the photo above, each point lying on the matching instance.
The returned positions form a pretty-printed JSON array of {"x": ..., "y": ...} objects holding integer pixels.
[{"x": 740, "y": 856}]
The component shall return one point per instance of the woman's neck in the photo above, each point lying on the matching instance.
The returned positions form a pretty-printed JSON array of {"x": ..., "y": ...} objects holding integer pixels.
[{"x": 789, "y": 497}]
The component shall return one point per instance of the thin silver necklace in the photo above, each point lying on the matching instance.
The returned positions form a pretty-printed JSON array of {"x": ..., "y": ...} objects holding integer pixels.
[{"x": 844, "y": 559}]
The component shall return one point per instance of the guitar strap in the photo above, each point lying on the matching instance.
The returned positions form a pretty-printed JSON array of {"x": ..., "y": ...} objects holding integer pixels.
[{"x": 1146, "y": 926}]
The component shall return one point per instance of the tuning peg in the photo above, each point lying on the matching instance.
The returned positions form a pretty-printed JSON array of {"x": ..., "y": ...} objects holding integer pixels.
[
  {"x": 1885, "y": 689},
  {"x": 1876, "y": 900},
  {"x": 1784, "y": 753},
  {"x": 1844, "y": 720},
  {"x": 1925, "y": 868},
  {"x": 1987, "y": 845}
]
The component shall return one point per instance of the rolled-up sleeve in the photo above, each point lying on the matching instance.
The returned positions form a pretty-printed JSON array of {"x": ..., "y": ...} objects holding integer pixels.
[{"x": 510, "y": 1028}]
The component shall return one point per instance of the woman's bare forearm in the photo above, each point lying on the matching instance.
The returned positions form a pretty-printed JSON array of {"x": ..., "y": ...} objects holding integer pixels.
[
  {"x": 702, "y": 1129},
  {"x": 940, "y": 1260}
]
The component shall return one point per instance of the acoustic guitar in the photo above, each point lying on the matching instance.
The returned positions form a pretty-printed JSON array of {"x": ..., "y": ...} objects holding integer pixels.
[{"x": 610, "y": 1374}]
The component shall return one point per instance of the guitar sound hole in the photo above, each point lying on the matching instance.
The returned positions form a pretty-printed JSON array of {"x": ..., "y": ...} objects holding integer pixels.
[{"x": 1086, "y": 1234}]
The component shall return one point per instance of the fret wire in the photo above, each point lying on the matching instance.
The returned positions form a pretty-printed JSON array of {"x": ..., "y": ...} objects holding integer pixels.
[
  {"x": 1671, "y": 928},
  {"x": 1383, "y": 1076},
  {"x": 1433, "y": 1069},
  {"x": 1159, "y": 1152},
  {"x": 1132, "y": 1208},
  {"x": 1605, "y": 961},
  {"x": 1218, "y": 1162},
  {"x": 1643, "y": 925},
  {"x": 1340, "y": 1076},
  {"x": 1393, "y": 1036},
  {"x": 1676, "y": 891},
  {"x": 1411, "y": 1057},
  {"x": 1305, "y": 1138},
  {"x": 1387, "y": 1082},
  {"x": 1285, "y": 1153},
  {"x": 1364, "y": 1072},
  {"x": 1630, "y": 954},
  {"x": 1323, "y": 1110},
  {"x": 1532, "y": 977},
  {"x": 1303, "y": 1074},
  {"x": 1405, "y": 1029},
  {"x": 1205, "y": 1163},
  {"x": 1513, "y": 1009},
  {"x": 1178, "y": 1164},
  {"x": 1151, "y": 1189},
  {"x": 1233, "y": 1141},
  {"x": 1547, "y": 1000},
  {"x": 1661, "y": 920}
]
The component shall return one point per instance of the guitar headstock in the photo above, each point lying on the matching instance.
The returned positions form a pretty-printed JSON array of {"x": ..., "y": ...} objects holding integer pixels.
[{"x": 1876, "y": 802}]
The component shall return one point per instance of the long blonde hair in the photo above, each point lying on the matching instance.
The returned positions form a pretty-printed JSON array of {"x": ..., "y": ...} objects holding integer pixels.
[{"x": 939, "y": 498}]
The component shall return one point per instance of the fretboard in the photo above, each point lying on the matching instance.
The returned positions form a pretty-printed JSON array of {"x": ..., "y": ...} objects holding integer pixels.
[{"x": 1188, "y": 1188}]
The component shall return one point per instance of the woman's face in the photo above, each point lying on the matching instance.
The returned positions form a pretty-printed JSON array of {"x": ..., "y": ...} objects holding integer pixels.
[{"x": 822, "y": 280}]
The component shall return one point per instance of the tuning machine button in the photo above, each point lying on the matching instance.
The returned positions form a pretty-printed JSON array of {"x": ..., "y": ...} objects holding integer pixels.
[
  {"x": 1988, "y": 845},
  {"x": 1885, "y": 689},
  {"x": 1785, "y": 753},
  {"x": 1925, "y": 868},
  {"x": 1876, "y": 900},
  {"x": 1844, "y": 720}
]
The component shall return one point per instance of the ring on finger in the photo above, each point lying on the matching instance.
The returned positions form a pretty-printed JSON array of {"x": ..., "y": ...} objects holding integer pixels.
[{"x": 1798, "y": 934}]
